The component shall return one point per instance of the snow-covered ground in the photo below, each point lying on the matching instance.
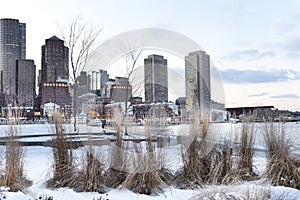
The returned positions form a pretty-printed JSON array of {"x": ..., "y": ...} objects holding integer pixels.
[{"x": 38, "y": 161}]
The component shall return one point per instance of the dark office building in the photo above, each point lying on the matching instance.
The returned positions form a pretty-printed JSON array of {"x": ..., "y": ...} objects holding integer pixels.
[
  {"x": 56, "y": 92},
  {"x": 156, "y": 79},
  {"x": 25, "y": 82},
  {"x": 55, "y": 60},
  {"x": 121, "y": 91},
  {"x": 55, "y": 73}
]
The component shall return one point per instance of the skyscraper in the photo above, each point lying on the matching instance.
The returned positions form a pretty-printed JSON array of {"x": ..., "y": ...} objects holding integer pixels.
[
  {"x": 55, "y": 73},
  {"x": 104, "y": 77},
  {"x": 25, "y": 79},
  {"x": 95, "y": 80},
  {"x": 156, "y": 79},
  {"x": 12, "y": 48},
  {"x": 55, "y": 60},
  {"x": 83, "y": 84},
  {"x": 197, "y": 83}
]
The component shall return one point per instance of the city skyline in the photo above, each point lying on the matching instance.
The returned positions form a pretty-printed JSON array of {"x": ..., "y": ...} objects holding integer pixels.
[{"x": 255, "y": 48}]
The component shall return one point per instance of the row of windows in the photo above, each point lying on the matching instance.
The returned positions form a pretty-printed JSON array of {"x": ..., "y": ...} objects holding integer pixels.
[
  {"x": 122, "y": 87},
  {"x": 55, "y": 84}
]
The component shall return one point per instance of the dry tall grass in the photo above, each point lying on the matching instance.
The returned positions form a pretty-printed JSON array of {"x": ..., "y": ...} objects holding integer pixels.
[
  {"x": 221, "y": 164},
  {"x": 246, "y": 149},
  {"x": 93, "y": 180},
  {"x": 148, "y": 182},
  {"x": 146, "y": 176},
  {"x": 92, "y": 169},
  {"x": 64, "y": 171},
  {"x": 115, "y": 175},
  {"x": 283, "y": 167},
  {"x": 196, "y": 166},
  {"x": 14, "y": 159},
  {"x": 67, "y": 172},
  {"x": 209, "y": 163}
]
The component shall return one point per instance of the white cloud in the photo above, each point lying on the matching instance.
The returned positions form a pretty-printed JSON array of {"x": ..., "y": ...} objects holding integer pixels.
[{"x": 258, "y": 76}]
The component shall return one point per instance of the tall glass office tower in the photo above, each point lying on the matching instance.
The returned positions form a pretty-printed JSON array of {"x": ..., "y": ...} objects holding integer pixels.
[
  {"x": 12, "y": 48},
  {"x": 197, "y": 83}
]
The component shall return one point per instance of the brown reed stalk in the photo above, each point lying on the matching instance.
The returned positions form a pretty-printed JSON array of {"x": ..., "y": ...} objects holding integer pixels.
[
  {"x": 14, "y": 173},
  {"x": 93, "y": 180},
  {"x": 64, "y": 170},
  {"x": 146, "y": 175},
  {"x": 116, "y": 173},
  {"x": 283, "y": 167},
  {"x": 246, "y": 149},
  {"x": 196, "y": 164}
]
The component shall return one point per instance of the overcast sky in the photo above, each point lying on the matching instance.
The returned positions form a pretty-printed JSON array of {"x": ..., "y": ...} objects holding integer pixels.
[{"x": 255, "y": 44}]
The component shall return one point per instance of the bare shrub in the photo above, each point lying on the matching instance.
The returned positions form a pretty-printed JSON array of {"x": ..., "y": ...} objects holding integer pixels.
[
  {"x": 115, "y": 175},
  {"x": 92, "y": 179},
  {"x": 166, "y": 175},
  {"x": 207, "y": 161},
  {"x": 246, "y": 149},
  {"x": 222, "y": 164},
  {"x": 148, "y": 182},
  {"x": 64, "y": 171},
  {"x": 196, "y": 166},
  {"x": 146, "y": 175},
  {"x": 283, "y": 167},
  {"x": 14, "y": 174},
  {"x": 14, "y": 162}
]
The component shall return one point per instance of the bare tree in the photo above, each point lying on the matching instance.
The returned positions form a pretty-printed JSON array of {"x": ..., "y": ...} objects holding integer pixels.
[
  {"x": 133, "y": 83},
  {"x": 116, "y": 174},
  {"x": 131, "y": 61},
  {"x": 79, "y": 38}
]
